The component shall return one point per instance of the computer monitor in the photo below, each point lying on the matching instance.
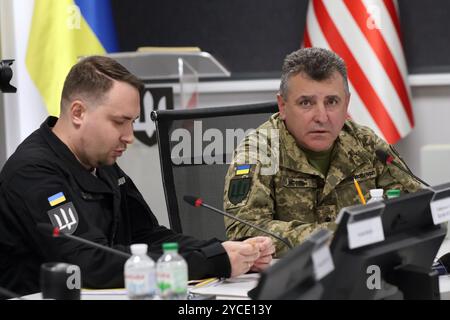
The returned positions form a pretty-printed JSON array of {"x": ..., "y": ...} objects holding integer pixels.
[
  {"x": 294, "y": 276},
  {"x": 402, "y": 261}
]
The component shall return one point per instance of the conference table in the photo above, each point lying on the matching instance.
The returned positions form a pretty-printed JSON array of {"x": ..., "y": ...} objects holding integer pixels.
[{"x": 235, "y": 288}]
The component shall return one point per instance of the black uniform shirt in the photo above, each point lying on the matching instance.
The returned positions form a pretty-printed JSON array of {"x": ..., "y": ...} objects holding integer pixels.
[{"x": 43, "y": 182}]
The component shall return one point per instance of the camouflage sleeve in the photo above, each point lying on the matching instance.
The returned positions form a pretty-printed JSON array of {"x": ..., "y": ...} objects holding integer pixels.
[
  {"x": 388, "y": 176},
  {"x": 392, "y": 177},
  {"x": 249, "y": 195}
]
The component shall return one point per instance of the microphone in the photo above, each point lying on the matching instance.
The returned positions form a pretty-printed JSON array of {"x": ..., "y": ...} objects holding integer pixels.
[
  {"x": 386, "y": 158},
  {"x": 198, "y": 202},
  {"x": 48, "y": 229},
  {"x": 9, "y": 294}
]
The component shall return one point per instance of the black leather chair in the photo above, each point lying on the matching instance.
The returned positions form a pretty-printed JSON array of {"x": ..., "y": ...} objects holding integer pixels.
[{"x": 195, "y": 149}]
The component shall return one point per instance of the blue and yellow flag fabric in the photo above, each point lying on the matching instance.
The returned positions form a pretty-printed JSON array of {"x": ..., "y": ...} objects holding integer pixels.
[
  {"x": 61, "y": 32},
  {"x": 243, "y": 169},
  {"x": 56, "y": 199}
]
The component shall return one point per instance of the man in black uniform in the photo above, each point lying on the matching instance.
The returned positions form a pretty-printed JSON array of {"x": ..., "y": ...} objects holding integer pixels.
[{"x": 65, "y": 173}]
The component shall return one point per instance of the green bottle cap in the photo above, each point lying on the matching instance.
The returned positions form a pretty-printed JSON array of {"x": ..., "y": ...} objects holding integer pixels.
[
  {"x": 393, "y": 193},
  {"x": 170, "y": 246}
]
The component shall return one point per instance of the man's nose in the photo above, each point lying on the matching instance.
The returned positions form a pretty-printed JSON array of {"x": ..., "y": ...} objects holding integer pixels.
[
  {"x": 320, "y": 115},
  {"x": 128, "y": 137}
]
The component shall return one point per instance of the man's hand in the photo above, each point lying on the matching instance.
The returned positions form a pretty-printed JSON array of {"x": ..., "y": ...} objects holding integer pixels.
[
  {"x": 266, "y": 250},
  {"x": 242, "y": 256}
]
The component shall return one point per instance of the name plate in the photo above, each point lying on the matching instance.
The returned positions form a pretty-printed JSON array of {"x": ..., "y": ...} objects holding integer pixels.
[
  {"x": 364, "y": 232},
  {"x": 440, "y": 210},
  {"x": 322, "y": 261}
]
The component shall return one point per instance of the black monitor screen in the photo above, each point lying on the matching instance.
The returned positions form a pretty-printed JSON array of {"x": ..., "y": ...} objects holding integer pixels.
[
  {"x": 294, "y": 276},
  {"x": 402, "y": 262}
]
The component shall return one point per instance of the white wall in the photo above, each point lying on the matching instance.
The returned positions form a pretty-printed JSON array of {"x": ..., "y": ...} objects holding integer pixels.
[
  {"x": 431, "y": 105},
  {"x": 23, "y": 111}
]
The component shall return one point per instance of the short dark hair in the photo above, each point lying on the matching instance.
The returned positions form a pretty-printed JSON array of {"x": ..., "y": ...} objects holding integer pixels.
[
  {"x": 93, "y": 77},
  {"x": 317, "y": 63}
]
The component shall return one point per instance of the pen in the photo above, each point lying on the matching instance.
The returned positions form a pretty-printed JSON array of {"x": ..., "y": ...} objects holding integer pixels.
[
  {"x": 358, "y": 189},
  {"x": 206, "y": 282}
]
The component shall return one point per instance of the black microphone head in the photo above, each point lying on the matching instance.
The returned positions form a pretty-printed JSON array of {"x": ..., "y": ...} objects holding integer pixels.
[
  {"x": 48, "y": 229},
  {"x": 382, "y": 155},
  {"x": 193, "y": 201}
]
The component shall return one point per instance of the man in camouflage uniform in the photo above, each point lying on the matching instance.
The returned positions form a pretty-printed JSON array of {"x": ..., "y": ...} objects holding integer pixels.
[{"x": 295, "y": 172}]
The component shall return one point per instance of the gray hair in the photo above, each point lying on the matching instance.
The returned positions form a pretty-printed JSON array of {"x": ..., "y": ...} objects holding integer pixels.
[{"x": 317, "y": 63}]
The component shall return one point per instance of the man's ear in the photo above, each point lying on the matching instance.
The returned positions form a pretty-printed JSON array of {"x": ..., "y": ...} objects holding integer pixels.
[
  {"x": 77, "y": 112},
  {"x": 347, "y": 101},
  {"x": 281, "y": 106}
]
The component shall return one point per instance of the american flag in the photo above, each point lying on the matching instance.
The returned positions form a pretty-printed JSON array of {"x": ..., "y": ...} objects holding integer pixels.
[{"x": 366, "y": 34}]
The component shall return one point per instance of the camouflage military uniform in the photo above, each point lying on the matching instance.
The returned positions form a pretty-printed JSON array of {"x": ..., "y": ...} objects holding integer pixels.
[{"x": 295, "y": 198}]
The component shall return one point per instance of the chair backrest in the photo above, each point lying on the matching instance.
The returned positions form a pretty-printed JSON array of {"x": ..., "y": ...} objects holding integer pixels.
[{"x": 195, "y": 149}]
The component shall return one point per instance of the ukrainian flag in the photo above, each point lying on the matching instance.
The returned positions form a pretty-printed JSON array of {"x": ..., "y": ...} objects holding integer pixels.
[
  {"x": 62, "y": 31},
  {"x": 244, "y": 169},
  {"x": 56, "y": 199}
]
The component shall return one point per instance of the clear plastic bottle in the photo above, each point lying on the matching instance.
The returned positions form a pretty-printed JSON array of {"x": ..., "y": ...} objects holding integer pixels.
[
  {"x": 171, "y": 273},
  {"x": 140, "y": 273},
  {"x": 376, "y": 195}
]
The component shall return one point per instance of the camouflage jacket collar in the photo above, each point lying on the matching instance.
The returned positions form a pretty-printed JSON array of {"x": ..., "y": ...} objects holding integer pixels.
[
  {"x": 291, "y": 156},
  {"x": 348, "y": 156}
]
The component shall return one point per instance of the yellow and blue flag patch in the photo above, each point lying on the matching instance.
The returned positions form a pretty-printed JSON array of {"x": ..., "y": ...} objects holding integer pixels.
[
  {"x": 243, "y": 169},
  {"x": 56, "y": 199}
]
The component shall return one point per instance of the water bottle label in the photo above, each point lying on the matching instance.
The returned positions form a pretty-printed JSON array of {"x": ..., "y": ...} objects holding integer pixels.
[
  {"x": 163, "y": 281},
  {"x": 140, "y": 283},
  {"x": 180, "y": 281},
  {"x": 172, "y": 280}
]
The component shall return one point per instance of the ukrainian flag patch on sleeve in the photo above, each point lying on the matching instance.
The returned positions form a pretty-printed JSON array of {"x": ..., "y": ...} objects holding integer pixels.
[
  {"x": 56, "y": 199},
  {"x": 242, "y": 169}
]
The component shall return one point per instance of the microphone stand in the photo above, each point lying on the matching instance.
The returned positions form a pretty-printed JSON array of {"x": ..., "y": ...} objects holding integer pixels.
[{"x": 285, "y": 241}]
